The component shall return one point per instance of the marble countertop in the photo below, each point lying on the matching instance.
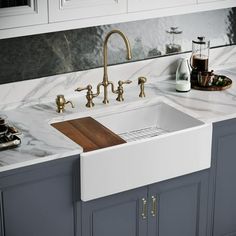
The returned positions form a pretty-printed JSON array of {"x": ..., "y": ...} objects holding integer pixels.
[{"x": 41, "y": 142}]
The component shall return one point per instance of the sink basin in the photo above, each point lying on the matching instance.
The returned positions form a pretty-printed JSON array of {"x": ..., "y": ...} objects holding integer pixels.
[
  {"x": 147, "y": 121},
  {"x": 162, "y": 143}
]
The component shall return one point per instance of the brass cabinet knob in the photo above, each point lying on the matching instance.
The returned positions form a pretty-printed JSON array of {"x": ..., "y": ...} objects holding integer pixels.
[
  {"x": 120, "y": 89},
  {"x": 141, "y": 81},
  {"x": 89, "y": 95},
  {"x": 61, "y": 103}
]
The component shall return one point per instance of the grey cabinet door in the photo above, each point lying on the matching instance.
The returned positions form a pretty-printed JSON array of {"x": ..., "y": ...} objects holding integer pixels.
[
  {"x": 223, "y": 179},
  {"x": 181, "y": 206},
  {"x": 116, "y": 215},
  {"x": 39, "y": 202},
  {"x": 1, "y": 216}
]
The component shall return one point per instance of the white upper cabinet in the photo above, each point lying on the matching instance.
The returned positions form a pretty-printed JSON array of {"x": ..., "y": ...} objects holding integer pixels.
[
  {"x": 63, "y": 10},
  {"x": 43, "y": 16},
  {"x": 142, "y": 5},
  {"x": 32, "y": 12}
]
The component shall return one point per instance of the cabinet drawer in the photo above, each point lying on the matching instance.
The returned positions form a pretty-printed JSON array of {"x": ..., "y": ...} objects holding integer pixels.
[
  {"x": 142, "y": 5},
  {"x": 62, "y": 10}
]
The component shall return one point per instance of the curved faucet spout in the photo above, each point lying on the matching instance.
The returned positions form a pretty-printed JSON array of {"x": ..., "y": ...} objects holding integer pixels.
[
  {"x": 127, "y": 44},
  {"x": 105, "y": 58}
]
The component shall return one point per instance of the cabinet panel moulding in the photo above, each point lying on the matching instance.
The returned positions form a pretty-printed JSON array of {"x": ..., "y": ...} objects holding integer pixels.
[
  {"x": 17, "y": 17},
  {"x": 72, "y": 4}
]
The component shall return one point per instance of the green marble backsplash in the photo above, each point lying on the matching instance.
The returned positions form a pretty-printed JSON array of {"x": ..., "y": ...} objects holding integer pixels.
[{"x": 42, "y": 55}]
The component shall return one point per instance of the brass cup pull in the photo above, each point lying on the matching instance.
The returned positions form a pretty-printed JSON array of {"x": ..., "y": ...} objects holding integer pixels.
[
  {"x": 154, "y": 206},
  {"x": 144, "y": 209}
]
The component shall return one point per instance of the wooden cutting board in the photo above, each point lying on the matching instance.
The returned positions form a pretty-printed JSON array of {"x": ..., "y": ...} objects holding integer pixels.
[{"x": 88, "y": 133}]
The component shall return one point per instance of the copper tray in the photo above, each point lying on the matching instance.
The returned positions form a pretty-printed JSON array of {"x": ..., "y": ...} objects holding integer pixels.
[{"x": 220, "y": 83}]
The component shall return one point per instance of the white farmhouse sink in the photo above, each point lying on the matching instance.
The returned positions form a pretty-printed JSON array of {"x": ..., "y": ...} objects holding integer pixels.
[{"x": 162, "y": 143}]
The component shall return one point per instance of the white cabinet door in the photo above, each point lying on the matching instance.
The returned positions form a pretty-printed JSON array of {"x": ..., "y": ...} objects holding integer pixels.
[
  {"x": 62, "y": 10},
  {"x": 142, "y": 5},
  {"x": 33, "y": 13}
]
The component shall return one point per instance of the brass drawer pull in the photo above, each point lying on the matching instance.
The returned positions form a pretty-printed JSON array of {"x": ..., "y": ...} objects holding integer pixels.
[
  {"x": 154, "y": 206},
  {"x": 144, "y": 209}
]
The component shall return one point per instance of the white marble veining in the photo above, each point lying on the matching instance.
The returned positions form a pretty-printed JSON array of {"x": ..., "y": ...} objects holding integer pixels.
[{"x": 41, "y": 142}]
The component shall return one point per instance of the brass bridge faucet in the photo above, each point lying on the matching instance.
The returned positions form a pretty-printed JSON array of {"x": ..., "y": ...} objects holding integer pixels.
[{"x": 105, "y": 83}]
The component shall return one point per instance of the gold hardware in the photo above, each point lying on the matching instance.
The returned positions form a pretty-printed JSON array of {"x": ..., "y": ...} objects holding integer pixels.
[
  {"x": 141, "y": 81},
  {"x": 144, "y": 209},
  {"x": 89, "y": 95},
  {"x": 120, "y": 89},
  {"x": 105, "y": 82},
  {"x": 154, "y": 206},
  {"x": 61, "y": 103}
]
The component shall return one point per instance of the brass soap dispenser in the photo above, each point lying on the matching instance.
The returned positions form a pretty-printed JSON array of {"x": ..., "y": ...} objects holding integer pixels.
[{"x": 61, "y": 103}]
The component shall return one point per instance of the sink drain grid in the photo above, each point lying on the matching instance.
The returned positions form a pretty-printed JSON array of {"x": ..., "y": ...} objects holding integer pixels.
[{"x": 142, "y": 134}]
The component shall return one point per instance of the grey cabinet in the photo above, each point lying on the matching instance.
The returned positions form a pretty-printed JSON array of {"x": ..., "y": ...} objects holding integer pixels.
[
  {"x": 44, "y": 200},
  {"x": 1, "y": 216},
  {"x": 222, "y": 207},
  {"x": 116, "y": 215},
  {"x": 39, "y": 201},
  {"x": 173, "y": 207},
  {"x": 179, "y": 206}
]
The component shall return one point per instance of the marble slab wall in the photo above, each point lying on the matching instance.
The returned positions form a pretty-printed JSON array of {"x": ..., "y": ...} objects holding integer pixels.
[
  {"x": 44, "y": 90},
  {"x": 31, "y": 57}
]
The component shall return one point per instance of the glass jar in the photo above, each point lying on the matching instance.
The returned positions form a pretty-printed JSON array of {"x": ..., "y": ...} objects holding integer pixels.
[
  {"x": 200, "y": 54},
  {"x": 174, "y": 40},
  {"x": 183, "y": 83}
]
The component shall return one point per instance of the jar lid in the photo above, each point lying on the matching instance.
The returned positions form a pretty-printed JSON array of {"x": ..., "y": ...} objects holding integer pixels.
[
  {"x": 201, "y": 40},
  {"x": 174, "y": 30}
]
